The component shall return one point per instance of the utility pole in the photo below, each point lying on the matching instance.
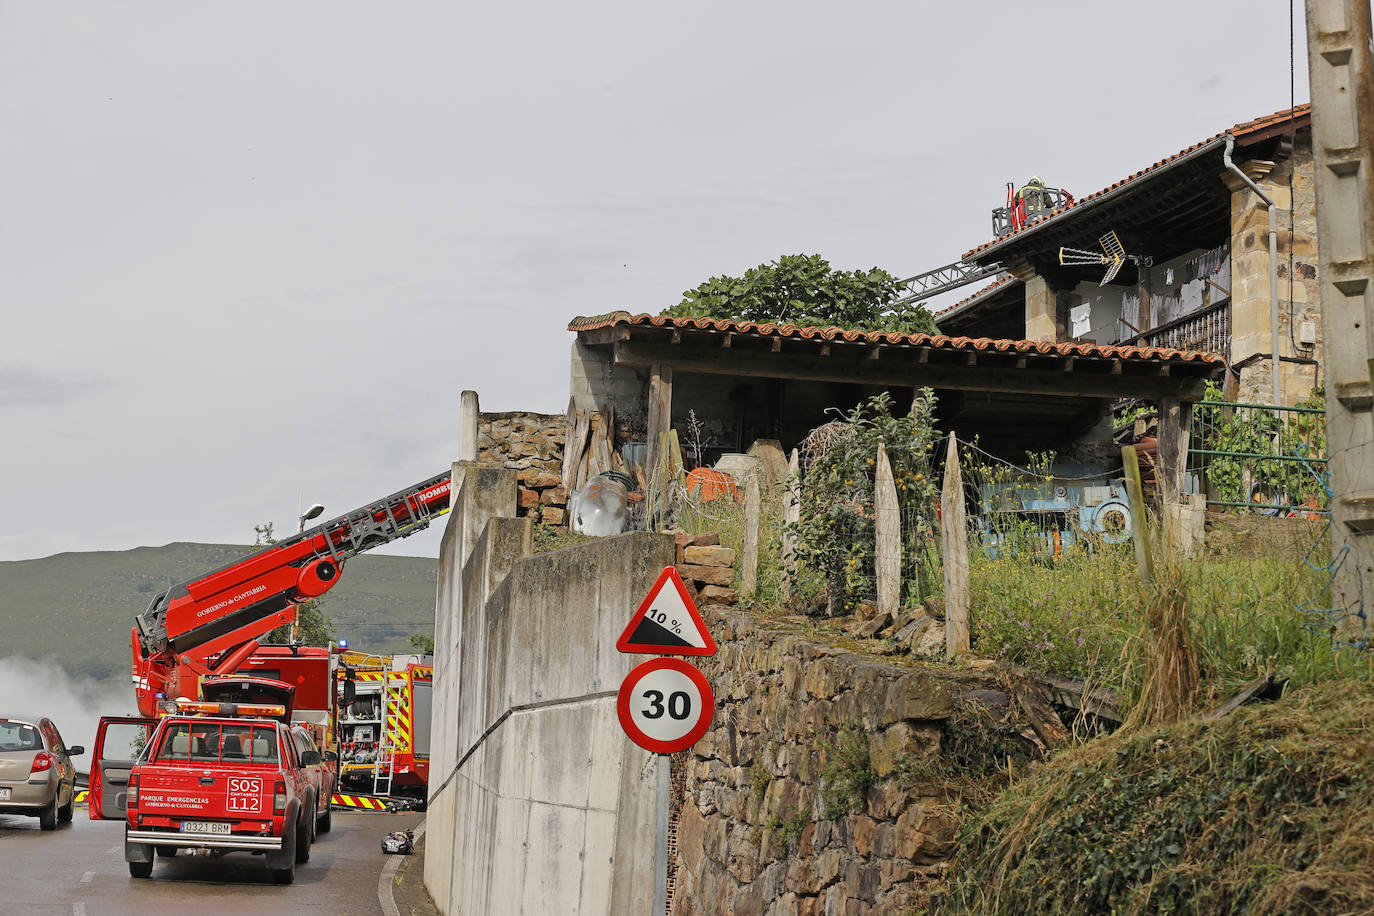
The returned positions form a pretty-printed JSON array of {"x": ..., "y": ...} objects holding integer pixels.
[{"x": 1340, "y": 62}]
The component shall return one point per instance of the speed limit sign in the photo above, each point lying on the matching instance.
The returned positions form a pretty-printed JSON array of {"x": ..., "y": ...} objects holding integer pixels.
[{"x": 665, "y": 705}]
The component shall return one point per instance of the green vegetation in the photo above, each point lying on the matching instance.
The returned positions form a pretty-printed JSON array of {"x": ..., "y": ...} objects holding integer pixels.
[
  {"x": 77, "y": 608},
  {"x": 790, "y": 829},
  {"x": 803, "y": 290},
  {"x": 1082, "y": 615},
  {"x": 1242, "y": 433},
  {"x": 759, "y": 778},
  {"x": 848, "y": 772},
  {"x": 1265, "y": 812},
  {"x": 836, "y": 531}
]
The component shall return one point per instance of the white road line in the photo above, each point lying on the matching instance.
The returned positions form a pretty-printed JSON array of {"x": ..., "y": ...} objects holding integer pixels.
[
  {"x": 86, "y": 878},
  {"x": 113, "y": 849},
  {"x": 386, "y": 883}
]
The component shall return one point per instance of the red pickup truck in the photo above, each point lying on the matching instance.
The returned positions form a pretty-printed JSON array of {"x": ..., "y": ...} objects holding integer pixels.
[{"x": 214, "y": 778}]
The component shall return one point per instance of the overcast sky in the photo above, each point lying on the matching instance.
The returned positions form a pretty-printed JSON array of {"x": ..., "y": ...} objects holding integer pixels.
[{"x": 250, "y": 253}]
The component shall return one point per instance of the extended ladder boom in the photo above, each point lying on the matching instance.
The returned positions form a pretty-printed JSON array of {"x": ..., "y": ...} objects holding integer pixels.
[{"x": 220, "y": 614}]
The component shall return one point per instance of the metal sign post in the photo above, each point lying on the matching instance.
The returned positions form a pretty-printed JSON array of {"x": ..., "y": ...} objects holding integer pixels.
[
  {"x": 665, "y": 705},
  {"x": 661, "y": 838}
]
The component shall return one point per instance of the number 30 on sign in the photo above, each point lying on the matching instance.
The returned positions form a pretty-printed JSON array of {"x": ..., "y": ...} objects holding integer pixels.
[{"x": 665, "y": 705}]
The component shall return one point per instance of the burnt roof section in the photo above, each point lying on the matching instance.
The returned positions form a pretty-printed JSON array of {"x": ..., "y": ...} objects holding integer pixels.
[
  {"x": 1179, "y": 203},
  {"x": 889, "y": 358},
  {"x": 996, "y": 310}
]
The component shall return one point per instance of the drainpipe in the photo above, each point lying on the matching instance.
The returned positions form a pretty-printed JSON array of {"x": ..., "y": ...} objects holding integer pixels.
[{"x": 1273, "y": 270}]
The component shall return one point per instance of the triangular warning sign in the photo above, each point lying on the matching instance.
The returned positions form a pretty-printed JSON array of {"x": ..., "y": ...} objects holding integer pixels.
[{"x": 667, "y": 622}]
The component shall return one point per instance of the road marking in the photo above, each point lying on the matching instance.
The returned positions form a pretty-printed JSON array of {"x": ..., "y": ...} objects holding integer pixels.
[
  {"x": 386, "y": 883},
  {"x": 86, "y": 878},
  {"x": 78, "y": 909},
  {"x": 112, "y": 850}
]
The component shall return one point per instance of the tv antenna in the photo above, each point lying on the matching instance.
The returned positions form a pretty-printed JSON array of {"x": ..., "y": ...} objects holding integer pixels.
[{"x": 1112, "y": 256}]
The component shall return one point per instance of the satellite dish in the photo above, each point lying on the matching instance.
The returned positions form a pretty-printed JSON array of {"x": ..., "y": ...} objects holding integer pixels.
[{"x": 1112, "y": 256}]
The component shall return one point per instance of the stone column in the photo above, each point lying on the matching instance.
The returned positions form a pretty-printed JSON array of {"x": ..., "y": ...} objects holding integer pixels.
[
  {"x": 1042, "y": 310},
  {"x": 1250, "y": 322}
]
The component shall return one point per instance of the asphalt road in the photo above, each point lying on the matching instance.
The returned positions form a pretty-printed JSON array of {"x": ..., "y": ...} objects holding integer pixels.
[{"x": 79, "y": 870}]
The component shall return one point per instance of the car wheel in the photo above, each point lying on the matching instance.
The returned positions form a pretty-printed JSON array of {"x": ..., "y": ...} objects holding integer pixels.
[
  {"x": 47, "y": 819},
  {"x": 167, "y": 852},
  {"x": 140, "y": 869},
  {"x": 303, "y": 831}
]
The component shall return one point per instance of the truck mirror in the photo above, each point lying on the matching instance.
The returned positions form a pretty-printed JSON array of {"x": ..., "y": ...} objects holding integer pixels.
[
  {"x": 331, "y": 756},
  {"x": 310, "y": 758}
]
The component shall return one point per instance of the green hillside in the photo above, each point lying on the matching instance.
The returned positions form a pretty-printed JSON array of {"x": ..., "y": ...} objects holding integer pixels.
[{"x": 79, "y": 607}]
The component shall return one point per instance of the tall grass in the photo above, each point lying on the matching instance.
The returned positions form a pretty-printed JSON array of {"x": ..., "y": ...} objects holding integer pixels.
[{"x": 1085, "y": 615}]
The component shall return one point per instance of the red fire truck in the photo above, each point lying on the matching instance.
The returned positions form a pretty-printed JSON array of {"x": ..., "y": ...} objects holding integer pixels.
[
  {"x": 384, "y": 730},
  {"x": 210, "y": 625}
]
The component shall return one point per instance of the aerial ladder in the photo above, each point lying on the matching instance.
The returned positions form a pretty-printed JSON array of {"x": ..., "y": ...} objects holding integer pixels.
[{"x": 210, "y": 625}]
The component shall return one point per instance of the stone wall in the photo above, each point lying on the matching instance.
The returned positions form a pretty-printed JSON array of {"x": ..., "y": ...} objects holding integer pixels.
[
  {"x": 754, "y": 835},
  {"x": 532, "y": 445}
]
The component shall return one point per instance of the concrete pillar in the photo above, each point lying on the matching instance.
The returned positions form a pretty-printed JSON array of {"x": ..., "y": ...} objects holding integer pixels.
[
  {"x": 1340, "y": 60},
  {"x": 467, "y": 427},
  {"x": 1042, "y": 310}
]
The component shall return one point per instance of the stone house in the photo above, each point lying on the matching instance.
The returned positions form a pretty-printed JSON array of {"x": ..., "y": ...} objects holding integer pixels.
[{"x": 1201, "y": 272}]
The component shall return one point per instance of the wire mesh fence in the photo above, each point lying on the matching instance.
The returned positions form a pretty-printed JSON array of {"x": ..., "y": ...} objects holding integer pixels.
[{"x": 1260, "y": 457}]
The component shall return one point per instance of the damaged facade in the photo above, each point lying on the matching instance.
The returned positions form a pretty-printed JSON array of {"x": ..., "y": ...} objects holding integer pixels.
[{"x": 1200, "y": 274}]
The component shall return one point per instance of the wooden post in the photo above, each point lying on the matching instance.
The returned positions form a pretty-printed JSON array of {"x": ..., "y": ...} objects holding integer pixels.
[
  {"x": 791, "y": 514},
  {"x": 572, "y": 452},
  {"x": 569, "y": 446},
  {"x": 1140, "y": 530},
  {"x": 749, "y": 575},
  {"x": 467, "y": 426},
  {"x": 887, "y": 555},
  {"x": 1175, "y": 418},
  {"x": 660, "y": 411},
  {"x": 954, "y": 546}
]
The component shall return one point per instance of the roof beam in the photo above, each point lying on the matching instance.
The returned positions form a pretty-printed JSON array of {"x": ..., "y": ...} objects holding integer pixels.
[{"x": 1051, "y": 381}]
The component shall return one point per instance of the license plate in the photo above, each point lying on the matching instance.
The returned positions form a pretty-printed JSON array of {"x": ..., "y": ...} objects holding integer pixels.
[
  {"x": 5, "y": 794},
  {"x": 203, "y": 827}
]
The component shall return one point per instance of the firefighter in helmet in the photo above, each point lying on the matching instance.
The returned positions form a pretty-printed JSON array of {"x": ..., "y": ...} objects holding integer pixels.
[{"x": 1033, "y": 200}]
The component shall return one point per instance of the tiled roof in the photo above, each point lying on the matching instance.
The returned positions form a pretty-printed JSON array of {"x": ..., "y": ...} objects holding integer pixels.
[
  {"x": 935, "y": 341},
  {"x": 1254, "y": 130},
  {"x": 991, "y": 287}
]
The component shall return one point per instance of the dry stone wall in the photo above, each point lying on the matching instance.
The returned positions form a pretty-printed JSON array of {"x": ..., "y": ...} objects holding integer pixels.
[
  {"x": 757, "y": 831},
  {"x": 532, "y": 445}
]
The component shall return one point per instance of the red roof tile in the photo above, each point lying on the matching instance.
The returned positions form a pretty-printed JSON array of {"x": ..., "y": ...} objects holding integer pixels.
[
  {"x": 1254, "y": 130},
  {"x": 936, "y": 341}
]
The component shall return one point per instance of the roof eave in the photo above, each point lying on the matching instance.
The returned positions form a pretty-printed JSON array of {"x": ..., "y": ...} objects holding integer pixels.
[{"x": 990, "y": 253}]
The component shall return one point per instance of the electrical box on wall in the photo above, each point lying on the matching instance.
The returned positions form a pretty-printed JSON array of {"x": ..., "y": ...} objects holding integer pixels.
[{"x": 1307, "y": 333}]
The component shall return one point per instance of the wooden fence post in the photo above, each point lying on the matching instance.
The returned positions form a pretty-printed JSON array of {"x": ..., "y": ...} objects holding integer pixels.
[
  {"x": 887, "y": 552},
  {"x": 749, "y": 575},
  {"x": 1140, "y": 531},
  {"x": 954, "y": 546},
  {"x": 791, "y": 514}
]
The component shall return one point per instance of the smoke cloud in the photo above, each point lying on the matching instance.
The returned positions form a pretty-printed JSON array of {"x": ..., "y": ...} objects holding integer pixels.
[{"x": 39, "y": 687}]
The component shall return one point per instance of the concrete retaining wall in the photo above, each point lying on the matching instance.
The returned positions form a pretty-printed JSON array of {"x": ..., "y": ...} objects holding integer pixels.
[{"x": 538, "y": 801}]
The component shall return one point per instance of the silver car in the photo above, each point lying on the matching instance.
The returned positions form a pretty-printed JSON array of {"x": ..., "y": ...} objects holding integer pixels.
[{"x": 36, "y": 772}]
